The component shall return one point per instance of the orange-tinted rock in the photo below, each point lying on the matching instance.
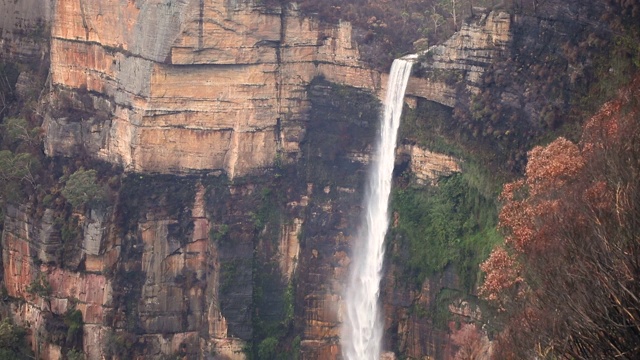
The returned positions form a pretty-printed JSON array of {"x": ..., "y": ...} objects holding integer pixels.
[
  {"x": 91, "y": 291},
  {"x": 16, "y": 259},
  {"x": 428, "y": 166},
  {"x": 220, "y": 86}
]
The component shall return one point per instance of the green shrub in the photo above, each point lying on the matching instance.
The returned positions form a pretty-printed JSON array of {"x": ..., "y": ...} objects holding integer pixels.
[
  {"x": 119, "y": 344},
  {"x": 12, "y": 341},
  {"x": 16, "y": 167},
  {"x": 75, "y": 354},
  {"x": 219, "y": 233},
  {"x": 267, "y": 348},
  {"x": 451, "y": 224},
  {"x": 73, "y": 319},
  {"x": 82, "y": 188},
  {"x": 40, "y": 286},
  {"x": 17, "y": 129}
]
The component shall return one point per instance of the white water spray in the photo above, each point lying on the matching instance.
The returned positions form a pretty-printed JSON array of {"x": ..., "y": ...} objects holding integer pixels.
[{"x": 363, "y": 327}]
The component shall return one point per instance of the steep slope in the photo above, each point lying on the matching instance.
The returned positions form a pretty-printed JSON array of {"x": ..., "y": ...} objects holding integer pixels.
[
  {"x": 230, "y": 143},
  {"x": 168, "y": 76}
]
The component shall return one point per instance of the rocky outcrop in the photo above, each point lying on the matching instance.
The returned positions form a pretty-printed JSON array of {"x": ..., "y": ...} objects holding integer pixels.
[
  {"x": 427, "y": 166},
  {"x": 190, "y": 85},
  {"x": 462, "y": 59},
  {"x": 50, "y": 290}
]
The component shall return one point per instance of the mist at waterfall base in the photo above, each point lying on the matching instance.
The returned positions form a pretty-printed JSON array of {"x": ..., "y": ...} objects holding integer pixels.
[{"x": 362, "y": 330}]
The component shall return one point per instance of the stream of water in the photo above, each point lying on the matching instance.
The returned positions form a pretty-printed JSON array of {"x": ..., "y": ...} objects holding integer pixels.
[{"x": 363, "y": 326}]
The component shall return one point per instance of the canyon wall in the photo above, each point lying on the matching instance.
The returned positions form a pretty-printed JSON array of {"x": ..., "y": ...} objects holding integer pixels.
[
  {"x": 153, "y": 80},
  {"x": 172, "y": 76},
  {"x": 239, "y": 138}
]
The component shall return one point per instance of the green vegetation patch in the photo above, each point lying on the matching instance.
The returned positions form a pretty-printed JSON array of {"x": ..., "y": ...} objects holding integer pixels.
[
  {"x": 82, "y": 188},
  {"x": 450, "y": 224},
  {"x": 273, "y": 297},
  {"x": 13, "y": 344}
]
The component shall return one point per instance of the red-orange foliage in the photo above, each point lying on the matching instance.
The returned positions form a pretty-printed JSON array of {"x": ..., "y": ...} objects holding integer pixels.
[
  {"x": 502, "y": 273},
  {"x": 568, "y": 276},
  {"x": 526, "y": 218},
  {"x": 472, "y": 343},
  {"x": 552, "y": 166}
]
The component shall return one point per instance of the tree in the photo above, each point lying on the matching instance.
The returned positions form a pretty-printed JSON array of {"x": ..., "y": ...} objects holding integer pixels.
[
  {"x": 17, "y": 130},
  {"x": 567, "y": 279},
  {"x": 12, "y": 341},
  {"x": 74, "y": 322},
  {"x": 10, "y": 334},
  {"x": 40, "y": 286},
  {"x": 436, "y": 19},
  {"x": 17, "y": 167},
  {"x": 82, "y": 188},
  {"x": 451, "y": 7},
  {"x": 267, "y": 348},
  {"x": 472, "y": 343}
]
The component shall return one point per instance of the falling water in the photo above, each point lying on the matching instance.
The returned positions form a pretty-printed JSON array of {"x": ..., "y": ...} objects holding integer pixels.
[{"x": 362, "y": 331}]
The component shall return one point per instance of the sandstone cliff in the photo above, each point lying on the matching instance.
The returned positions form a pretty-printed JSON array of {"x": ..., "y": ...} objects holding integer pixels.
[
  {"x": 240, "y": 138},
  {"x": 157, "y": 80},
  {"x": 171, "y": 77},
  {"x": 462, "y": 60}
]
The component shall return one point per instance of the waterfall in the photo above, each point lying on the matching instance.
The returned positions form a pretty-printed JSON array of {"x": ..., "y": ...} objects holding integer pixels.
[{"x": 363, "y": 326}]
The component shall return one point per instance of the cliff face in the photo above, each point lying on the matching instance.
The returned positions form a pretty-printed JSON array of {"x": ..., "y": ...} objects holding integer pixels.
[
  {"x": 22, "y": 26},
  {"x": 152, "y": 80},
  {"x": 462, "y": 60},
  {"x": 244, "y": 164},
  {"x": 169, "y": 76}
]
